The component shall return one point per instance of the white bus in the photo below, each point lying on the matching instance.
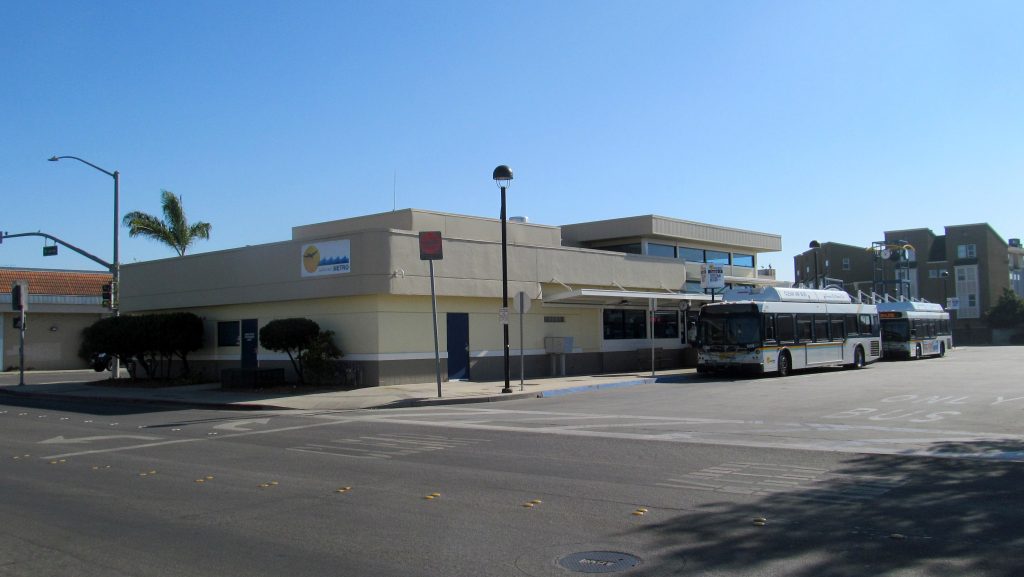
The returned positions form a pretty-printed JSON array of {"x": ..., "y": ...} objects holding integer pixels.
[
  {"x": 913, "y": 330},
  {"x": 777, "y": 330}
]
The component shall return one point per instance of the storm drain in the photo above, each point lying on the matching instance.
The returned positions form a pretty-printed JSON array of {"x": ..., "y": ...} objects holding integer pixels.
[{"x": 599, "y": 562}]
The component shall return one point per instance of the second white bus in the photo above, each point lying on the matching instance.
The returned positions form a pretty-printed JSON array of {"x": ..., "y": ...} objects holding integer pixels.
[
  {"x": 914, "y": 329},
  {"x": 778, "y": 330}
]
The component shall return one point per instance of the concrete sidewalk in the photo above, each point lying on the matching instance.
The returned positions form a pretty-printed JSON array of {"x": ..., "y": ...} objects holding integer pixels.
[{"x": 63, "y": 386}]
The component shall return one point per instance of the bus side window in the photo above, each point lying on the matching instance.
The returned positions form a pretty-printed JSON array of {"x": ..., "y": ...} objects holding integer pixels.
[
  {"x": 851, "y": 325},
  {"x": 838, "y": 328},
  {"x": 768, "y": 322},
  {"x": 784, "y": 327},
  {"x": 864, "y": 325},
  {"x": 821, "y": 328},
  {"x": 804, "y": 327}
]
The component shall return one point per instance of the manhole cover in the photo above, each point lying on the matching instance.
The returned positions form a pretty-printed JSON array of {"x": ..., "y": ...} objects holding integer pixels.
[{"x": 599, "y": 562}]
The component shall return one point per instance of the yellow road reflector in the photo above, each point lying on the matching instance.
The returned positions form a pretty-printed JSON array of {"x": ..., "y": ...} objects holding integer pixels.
[
  {"x": 528, "y": 505},
  {"x": 435, "y": 494},
  {"x": 209, "y": 477},
  {"x": 642, "y": 509},
  {"x": 536, "y": 501},
  {"x": 897, "y": 536},
  {"x": 761, "y": 519},
  {"x": 639, "y": 513},
  {"x": 273, "y": 482},
  {"x": 428, "y": 497},
  {"x": 760, "y": 523},
  {"x": 200, "y": 480}
]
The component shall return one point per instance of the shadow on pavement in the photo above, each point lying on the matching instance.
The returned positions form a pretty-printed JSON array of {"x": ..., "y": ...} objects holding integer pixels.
[{"x": 873, "y": 515}]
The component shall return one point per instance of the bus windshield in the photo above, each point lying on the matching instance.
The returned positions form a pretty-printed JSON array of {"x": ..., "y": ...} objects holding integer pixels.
[
  {"x": 895, "y": 330},
  {"x": 731, "y": 329}
]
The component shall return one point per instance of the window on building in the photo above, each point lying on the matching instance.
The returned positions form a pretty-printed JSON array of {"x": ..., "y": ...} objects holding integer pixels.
[
  {"x": 625, "y": 324},
  {"x": 716, "y": 257},
  {"x": 739, "y": 259},
  {"x": 846, "y": 263},
  {"x": 691, "y": 254},
  {"x": 631, "y": 248},
  {"x": 666, "y": 325},
  {"x": 966, "y": 251},
  {"x": 665, "y": 250},
  {"x": 229, "y": 334}
]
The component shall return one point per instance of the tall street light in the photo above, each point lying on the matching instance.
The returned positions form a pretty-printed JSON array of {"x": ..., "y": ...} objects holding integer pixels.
[
  {"x": 115, "y": 289},
  {"x": 814, "y": 246},
  {"x": 502, "y": 177}
]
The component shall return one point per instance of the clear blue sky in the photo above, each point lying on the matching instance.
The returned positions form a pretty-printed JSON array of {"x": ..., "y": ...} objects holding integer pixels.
[{"x": 827, "y": 120}]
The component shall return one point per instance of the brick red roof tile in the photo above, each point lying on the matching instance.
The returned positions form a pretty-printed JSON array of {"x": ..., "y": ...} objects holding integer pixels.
[{"x": 56, "y": 282}]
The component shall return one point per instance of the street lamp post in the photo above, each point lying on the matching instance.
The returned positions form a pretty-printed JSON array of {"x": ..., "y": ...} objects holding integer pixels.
[
  {"x": 814, "y": 246},
  {"x": 502, "y": 177},
  {"x": 115, "y": 268}
]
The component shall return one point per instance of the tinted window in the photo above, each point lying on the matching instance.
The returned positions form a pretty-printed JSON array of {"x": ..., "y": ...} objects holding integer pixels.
[
  {"x": 632, "y": 248},
  {"x": 743, "y": 259},
  {"x": 691, "y": 254},
  {"x": 804, "y": 327},
  {"x": 851, "y": 325},
  {"x": 654, "y": 249},
  {"x": 838, "y": 328},
  {"x": 666, "y": 324},
  {"x": 716, "y": 257},
  {"x": 625, "y": 324},
  {"x": 821, "y": 327},
  {"x": 784, "y": 327},
  {"x": 228, "y": 334}
]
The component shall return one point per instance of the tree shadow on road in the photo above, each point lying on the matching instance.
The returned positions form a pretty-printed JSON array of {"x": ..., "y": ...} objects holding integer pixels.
[{"x": 872, "y": 515}]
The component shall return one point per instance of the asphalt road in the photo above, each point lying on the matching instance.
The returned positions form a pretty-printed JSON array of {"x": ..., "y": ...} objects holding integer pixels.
[{"x": 911, "y": 468}]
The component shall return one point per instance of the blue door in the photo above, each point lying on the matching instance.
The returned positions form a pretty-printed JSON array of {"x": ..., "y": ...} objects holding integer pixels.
[
  {"x": 250, "y": 343},
  {"x": 458, "y": 346}
]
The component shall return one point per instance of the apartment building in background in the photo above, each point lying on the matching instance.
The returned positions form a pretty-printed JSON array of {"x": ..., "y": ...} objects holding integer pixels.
[{"x": 970, "y": 263}]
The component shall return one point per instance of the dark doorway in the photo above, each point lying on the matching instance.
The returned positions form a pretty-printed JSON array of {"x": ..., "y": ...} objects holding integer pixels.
[
  {"x": 458, "y": 346},
  {"x": 250, "y": 343}
]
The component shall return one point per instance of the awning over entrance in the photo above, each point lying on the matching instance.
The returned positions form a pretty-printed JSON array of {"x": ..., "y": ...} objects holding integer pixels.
[{"x": 610, "y": 297}]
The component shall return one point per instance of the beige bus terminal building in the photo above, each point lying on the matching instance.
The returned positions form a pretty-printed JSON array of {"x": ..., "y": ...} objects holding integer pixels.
[{"x": 593, "y": 288}]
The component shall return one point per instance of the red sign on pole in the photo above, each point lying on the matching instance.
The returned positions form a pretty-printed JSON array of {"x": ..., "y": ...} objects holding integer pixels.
[{"x": 430, "y": 245}]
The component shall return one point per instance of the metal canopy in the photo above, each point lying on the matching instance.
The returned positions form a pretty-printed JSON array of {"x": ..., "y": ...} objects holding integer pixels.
[{"x": 606, "y": 297}]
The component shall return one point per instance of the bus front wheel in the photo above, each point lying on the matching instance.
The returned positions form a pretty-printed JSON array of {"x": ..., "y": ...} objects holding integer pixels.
[
  {"x": 785, "y": 366},
  {"x": 942, "y": 349},
  {"x": 917, "y": 353}
]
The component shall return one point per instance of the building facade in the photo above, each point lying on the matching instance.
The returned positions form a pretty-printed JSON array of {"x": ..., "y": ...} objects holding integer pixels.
[
  {"x": 60, "y": 305},
  {"x": 604, "y": 296},
  {"x": 834, "y": 264},
  {"x": 970, "y": 263}
]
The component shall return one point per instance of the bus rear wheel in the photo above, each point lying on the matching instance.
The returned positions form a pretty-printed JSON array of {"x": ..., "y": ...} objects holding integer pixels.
[
  {"x": 785, "y": 366},
  {"x": 858, "y": 359},
  {"x": 942, "y": 349}
]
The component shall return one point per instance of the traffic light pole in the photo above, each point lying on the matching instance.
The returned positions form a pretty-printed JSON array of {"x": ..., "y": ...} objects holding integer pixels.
[
  {"x": 87, "y": 255},
  {"x": 21, "y": 349}
]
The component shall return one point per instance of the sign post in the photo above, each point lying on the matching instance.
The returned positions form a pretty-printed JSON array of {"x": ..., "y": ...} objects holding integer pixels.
[
  {"x": 712, "y": 277},
  {"x": 522, "y": 306},
  {"x": 431, "y": 249}
]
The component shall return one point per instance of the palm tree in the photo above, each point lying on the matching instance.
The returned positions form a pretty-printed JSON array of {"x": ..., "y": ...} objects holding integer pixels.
[{"x": 174, "y": 230}]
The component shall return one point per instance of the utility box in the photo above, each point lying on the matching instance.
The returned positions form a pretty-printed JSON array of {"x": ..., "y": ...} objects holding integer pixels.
[{"x": 558, "y": 345}]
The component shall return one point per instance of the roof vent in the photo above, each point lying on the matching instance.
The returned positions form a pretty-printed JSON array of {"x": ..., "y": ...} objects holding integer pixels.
[{"x": 519, "y": 219}]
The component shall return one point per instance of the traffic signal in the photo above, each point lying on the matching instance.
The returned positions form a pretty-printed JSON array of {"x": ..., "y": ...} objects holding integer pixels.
[
  {"x": 19, "y": 296},
  {"x": 108, "y": 295}
]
